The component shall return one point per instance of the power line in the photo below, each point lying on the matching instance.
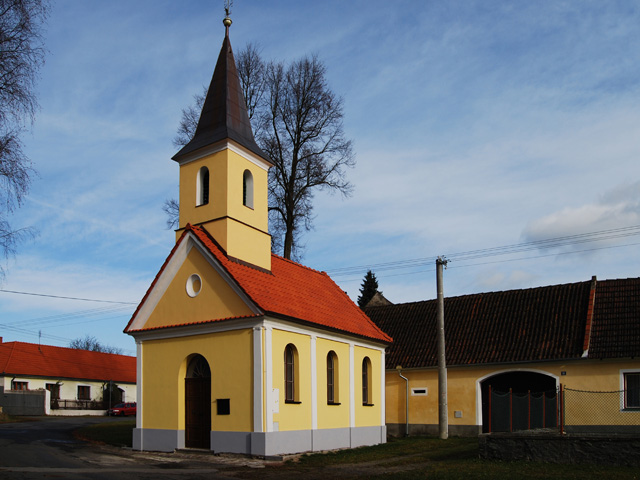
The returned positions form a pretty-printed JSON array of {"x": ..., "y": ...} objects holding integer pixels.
[
  {"x": 545, "y": 244},
  {"x": 67, "y": 298}
]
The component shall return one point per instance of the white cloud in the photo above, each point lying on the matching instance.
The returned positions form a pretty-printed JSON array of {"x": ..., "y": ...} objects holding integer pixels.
[{"x": 616, "y": 208}]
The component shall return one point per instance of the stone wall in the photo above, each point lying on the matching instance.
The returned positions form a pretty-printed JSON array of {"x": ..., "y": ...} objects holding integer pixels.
[{"x": 555, "y": 448}]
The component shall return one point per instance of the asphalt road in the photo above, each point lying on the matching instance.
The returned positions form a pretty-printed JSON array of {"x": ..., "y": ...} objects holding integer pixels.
[{"x": 46, "y": 448}]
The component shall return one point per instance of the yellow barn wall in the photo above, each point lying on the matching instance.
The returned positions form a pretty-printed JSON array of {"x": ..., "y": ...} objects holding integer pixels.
[
  {"x": 462, "y": 391},
  {"x": 216, "y": 299},
  {"x": 292, "y": 416},
  {"x": 333, "y": 416},
  {"x": 367, "y": 416},
  {"x": 230, "y": 357}
]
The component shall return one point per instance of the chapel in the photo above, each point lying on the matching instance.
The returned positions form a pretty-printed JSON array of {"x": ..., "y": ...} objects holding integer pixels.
[{"x": 238, "y": 349}]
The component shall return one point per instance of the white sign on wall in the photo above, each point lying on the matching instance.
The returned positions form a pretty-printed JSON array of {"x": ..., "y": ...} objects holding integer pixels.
[{"x": 276, "y": 400}]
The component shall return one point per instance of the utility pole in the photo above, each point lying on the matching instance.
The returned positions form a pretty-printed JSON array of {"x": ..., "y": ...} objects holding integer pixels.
[{"x": 442, "y": 362}]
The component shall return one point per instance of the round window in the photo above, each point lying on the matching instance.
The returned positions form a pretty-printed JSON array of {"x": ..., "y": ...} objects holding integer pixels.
[{"x": 194, "y": 285}]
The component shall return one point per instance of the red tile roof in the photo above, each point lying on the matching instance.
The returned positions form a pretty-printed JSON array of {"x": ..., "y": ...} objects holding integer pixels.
[
  {"x": 28, "y": 359},
  {"x": 290, "y": 291},
  {"x": 545, "y": 323}
]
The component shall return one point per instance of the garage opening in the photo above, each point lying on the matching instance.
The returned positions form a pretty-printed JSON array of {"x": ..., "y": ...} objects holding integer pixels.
[{"x": 519, "y": 400}]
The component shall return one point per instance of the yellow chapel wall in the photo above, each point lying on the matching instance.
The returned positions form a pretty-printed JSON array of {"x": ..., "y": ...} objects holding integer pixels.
[
  {"x": 462, "y": 395},
  {"x": 190, "y": 212},
  {"x": 333, "y": 416},
  {"x": 215, "y": 300},
  {"x": 230, "y": 357},
  {"x": 258, "y": 215},
  {"x": 240, "y": 230},
  {"x": 368, "y": 415},
  {"x": 292, "y": 416}
]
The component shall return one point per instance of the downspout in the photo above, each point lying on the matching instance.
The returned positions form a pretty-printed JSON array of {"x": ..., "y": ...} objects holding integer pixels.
[{"x": 399, "y": 369}]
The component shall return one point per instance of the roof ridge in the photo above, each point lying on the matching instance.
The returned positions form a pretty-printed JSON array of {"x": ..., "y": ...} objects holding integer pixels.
[
  {"x": 321, "y": 272},
  {"x": 18, "y": 343},
  {"x": 490, "y": 293}
]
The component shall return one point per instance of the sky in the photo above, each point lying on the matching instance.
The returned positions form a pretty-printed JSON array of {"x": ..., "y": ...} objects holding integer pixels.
[{"x": 475, "y": 125}]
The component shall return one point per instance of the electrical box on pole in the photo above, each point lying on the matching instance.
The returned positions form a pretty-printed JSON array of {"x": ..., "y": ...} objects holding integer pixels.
[{"x": 443, "y": 422}]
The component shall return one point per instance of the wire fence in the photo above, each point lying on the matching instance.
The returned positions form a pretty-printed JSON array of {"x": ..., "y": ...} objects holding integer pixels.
[{"x": 600, "y": 412}]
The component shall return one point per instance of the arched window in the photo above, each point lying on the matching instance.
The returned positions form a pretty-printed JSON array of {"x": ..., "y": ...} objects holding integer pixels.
[
  {"x": 198, "y": 368},
  {"x": 366, "y": 382},
  {"x": 332, "y": 378},
  {"x": 202, "y": 187},
  {"x": 290, "y": 374},
  {"x": 247, "y": 189}
]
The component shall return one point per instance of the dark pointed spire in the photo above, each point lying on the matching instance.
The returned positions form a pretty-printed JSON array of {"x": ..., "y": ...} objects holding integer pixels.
[{"x": 224, "y": 112}]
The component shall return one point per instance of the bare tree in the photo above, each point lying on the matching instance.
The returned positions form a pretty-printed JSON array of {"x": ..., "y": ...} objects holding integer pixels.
[
  {"x": 189, "y": 120},
  {"x": 302, "y": 133},
  {"x": 297, "y": 121},
  {"x": 21, "y": 56},
  {"x": 92, "y": 344},
  {"x": 252, "y": 73},
  {"x": 172, "y": 208}
]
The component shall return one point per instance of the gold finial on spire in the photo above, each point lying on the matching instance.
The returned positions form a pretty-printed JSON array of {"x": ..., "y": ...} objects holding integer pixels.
[{"x": 227, "y": 10}]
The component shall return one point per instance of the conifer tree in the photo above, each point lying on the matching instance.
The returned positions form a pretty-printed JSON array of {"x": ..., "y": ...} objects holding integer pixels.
[{"x": 368, "y": 289}]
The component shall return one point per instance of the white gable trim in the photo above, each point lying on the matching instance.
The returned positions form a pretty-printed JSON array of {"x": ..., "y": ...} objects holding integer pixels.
[{"x": 168, "y": 274}]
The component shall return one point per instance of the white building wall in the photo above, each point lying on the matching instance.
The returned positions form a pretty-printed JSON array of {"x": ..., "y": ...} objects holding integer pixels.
[{"x": 69, "y": 388}]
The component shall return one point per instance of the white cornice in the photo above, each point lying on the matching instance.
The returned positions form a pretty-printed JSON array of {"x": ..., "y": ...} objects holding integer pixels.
[
  {"x": 198, "y": 329},
  {"x": 319, "y": 332},
  {"x": 224, "y": 145}
]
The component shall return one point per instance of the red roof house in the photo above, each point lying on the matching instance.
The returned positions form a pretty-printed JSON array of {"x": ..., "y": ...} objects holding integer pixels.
[{"x": 75, "y": 378}]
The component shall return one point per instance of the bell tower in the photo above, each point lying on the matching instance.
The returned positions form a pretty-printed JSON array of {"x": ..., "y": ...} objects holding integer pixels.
[{"x": 223, "y": 172}]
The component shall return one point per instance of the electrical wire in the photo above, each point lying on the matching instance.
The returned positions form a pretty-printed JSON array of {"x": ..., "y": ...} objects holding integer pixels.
[
  {"x": 66, "y": 298},
  {"x": 545, "y": 244}
]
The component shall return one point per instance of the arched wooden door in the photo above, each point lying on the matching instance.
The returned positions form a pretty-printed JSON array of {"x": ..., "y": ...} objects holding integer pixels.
[{"x": 198, "y": 404}]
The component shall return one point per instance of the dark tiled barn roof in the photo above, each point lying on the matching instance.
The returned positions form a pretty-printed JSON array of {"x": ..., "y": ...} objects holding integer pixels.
[
  {"x": 544, "y": 323},
  {"x": 615, "y": 332}
]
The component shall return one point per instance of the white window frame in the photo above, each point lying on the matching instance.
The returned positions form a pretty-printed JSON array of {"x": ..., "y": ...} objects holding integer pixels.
[
  {"x": 200, "y": 187},
  {"x": 247, "y": 188},
  {"x": 623, "y": 406}
]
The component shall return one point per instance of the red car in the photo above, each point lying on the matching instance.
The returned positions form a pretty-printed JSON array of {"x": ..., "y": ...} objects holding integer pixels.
[{"x": 123, "y": 409}]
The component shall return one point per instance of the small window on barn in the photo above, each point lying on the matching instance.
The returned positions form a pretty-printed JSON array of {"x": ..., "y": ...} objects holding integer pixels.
[{"x": 632, "y": 390}]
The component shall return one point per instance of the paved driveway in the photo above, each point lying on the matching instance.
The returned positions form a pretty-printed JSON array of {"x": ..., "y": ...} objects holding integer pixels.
[{"x": 46, "y": 448}]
